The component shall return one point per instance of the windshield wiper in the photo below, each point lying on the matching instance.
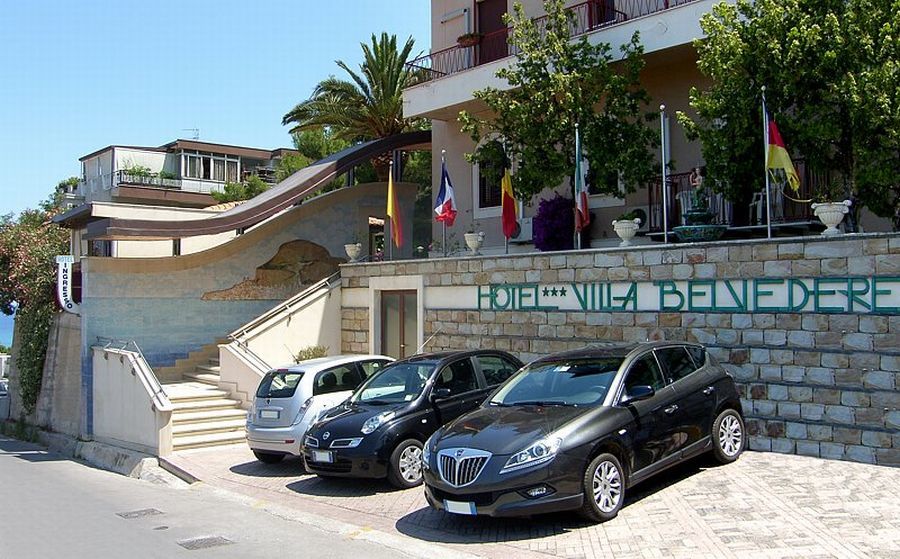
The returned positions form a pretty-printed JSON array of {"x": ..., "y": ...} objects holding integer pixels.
[
  {"x": 498, "y": 404},
  {"x": 376, "y": 402},
  {"x": 538, "y": 403}
]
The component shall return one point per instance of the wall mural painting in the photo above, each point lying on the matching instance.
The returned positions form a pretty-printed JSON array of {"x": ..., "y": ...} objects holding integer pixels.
[{"x": 297, "y": 265}]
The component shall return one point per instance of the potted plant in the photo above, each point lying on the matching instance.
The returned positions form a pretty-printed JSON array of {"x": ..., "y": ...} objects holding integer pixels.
[
  {"x": 474, "y": 237},
  {"x": 353, "y": 248},
  {"x": 626, "y": 227},
  {"x": 468, "y": 39},
  {"x": 828, "y": 211}
]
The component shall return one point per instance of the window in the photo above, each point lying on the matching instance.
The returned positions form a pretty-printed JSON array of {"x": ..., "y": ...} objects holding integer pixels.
[
  {"x": 279, "y": 384},
  {"x": 489, "y": 194},
  {"x": 338, "y": 379},
  {"x": 676, "y": 362},
  {"x": 369, "y": 368},
  {"x": 644, "y": 372},
  {"x": 495, "y": 368},
  {"x": 396, "y": 383},
  {"x": 231, "y": 171},
  {"x": 211, "y": 167},
  {"x": 566, "y": 383},
  {"x": 218, "y": 170},
  {"x": 459, "y": 377},
  {"x": 698, "y": 354}
]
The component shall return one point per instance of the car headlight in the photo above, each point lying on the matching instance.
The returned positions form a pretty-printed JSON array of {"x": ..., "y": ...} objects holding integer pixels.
[
  {"x": 539, "y": 453},
  {"x": 376, "y": 421},
  {"x": 426, "y": 450},
  {"x": 302, "y": 411}
]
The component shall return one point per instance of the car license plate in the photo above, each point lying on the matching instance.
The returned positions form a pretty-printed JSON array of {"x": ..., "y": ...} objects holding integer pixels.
[
  {"x": 457, "y": 507},
  {"x": 322, "y": 456},
  {"x": 268, "y": 414}
]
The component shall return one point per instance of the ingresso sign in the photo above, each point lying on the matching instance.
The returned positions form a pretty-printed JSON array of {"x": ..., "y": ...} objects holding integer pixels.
[
  {"x": 873, "y": 294},
  {"x": 64, "y": 283}
]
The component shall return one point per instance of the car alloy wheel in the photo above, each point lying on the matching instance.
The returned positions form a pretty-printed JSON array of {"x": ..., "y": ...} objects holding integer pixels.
[
  {"x": 728, "y": 433},
  {"x": 607, "y": 485},
  {"x": 405, "y": 468},
  {"x": 604, "y": 488}
]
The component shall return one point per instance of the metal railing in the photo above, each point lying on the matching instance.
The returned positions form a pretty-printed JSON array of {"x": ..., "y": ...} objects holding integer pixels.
[
  {"x": 587, "y": 17},
  {"x": 152, "y": 180},
  {"x": 123, "y": 345}
]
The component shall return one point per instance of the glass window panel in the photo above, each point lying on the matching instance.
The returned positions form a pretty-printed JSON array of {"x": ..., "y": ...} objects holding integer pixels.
[
  {"x": 231, "y": 171},
  {"x": 409, "y": 324},
  {"x": 676, "y": 362},
  {"x": 495, "y": 369},
  {"x": 218, "y": 170},
  {"x": 644, "y": 372},
  {"x": 391, "y": 324},
  {"x": 459, "y": 377}
]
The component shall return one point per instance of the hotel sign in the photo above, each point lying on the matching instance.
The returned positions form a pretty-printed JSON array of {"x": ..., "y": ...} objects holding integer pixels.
[
  {"x": 64, "y": 283},
  {"x": 852, "y": 294}
]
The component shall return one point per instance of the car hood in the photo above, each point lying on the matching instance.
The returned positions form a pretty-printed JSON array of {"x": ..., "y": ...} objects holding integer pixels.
[
  {"x": 505, "y": 430},
  {"x": 346, "y": 420}
]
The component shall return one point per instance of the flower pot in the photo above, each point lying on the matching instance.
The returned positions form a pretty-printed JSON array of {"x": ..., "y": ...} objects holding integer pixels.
[
  {"x": 831, "y": 214},
  {"x": 474, "y": 241},
  {"x": 626, "y": 229},
  {"x": 353, "y": 250},
  {"x": 468, "y": 40}
]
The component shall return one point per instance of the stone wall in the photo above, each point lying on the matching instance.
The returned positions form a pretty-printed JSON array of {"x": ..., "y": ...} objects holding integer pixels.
[{"x": 815, "y": 383}]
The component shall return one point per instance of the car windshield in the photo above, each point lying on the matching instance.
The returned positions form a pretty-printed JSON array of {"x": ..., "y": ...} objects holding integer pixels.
[
  {"x": 396, "y": 383},
  {"x": 572, "y": 382},
  {"x": 280, "y": 383}
]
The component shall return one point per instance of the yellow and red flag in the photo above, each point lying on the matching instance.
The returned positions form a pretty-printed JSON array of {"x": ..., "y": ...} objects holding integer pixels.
[
  {"x": 393, "y": 211},
  {"x": 778, "y": 157},
  {"x": 509, "y": 216}
]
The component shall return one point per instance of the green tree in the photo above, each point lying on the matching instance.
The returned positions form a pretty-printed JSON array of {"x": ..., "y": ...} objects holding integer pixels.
[
  {"x": 29, "y": 243},
  {"x": 4, "y": 349},
  {"x": 369, "y": 105},
  {"x": 555, "y": 83},
  {"x": 831, "y": 73},
  {"x": 237, "y": 191}
]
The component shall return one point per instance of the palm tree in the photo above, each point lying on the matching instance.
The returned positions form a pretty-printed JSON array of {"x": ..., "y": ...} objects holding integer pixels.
[{"x": 369, "y": 105}]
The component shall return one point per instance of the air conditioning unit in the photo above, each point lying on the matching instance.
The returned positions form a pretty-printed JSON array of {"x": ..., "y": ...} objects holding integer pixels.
[{"x": 525, "y": 231}]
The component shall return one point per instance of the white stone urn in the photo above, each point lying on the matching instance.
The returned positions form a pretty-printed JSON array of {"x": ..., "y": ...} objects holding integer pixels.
[
  {"x": 474, "y": 241},
  {"x": 353, "y": 250},
  {"x": 831, "y": 214},
  {"x": 626, "y": 229}
]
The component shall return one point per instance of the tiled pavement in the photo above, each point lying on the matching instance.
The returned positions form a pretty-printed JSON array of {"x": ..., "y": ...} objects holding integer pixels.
[{"x": 765, "y": 505}]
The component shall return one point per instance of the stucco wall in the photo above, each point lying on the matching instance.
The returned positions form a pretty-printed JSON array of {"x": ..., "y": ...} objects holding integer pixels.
[{"x": 815, "y": 380}]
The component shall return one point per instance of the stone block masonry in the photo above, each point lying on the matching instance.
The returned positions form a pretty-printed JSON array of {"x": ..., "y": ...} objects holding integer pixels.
[{"x": 809, "y": 327}]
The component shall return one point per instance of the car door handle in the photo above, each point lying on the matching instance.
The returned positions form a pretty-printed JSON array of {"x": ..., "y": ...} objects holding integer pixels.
[
  {"x": 671, "y": 409},
  {"x": 709, "y": 390}
]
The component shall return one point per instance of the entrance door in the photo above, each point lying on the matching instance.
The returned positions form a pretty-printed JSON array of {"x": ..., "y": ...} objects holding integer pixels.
[
  {"x": 490, "y": 24},
  {"x": 399, "y": 323}
]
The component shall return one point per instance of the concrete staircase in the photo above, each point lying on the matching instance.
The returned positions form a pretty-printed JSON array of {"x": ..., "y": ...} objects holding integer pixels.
[{"x": 204, "y": 415}]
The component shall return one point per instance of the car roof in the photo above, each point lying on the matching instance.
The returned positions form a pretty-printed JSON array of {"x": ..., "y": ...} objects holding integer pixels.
[
  {"x": 319, "y": 363},
  {"x": 440, "y": 356},
  {"x": 611, "y": 349}
]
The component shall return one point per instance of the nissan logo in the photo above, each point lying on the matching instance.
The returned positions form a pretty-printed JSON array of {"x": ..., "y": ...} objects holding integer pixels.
[{"x": 325, "y": 435}]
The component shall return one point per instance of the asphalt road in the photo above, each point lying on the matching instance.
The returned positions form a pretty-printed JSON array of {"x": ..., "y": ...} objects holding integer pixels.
[{"x": 53, "y": 507}]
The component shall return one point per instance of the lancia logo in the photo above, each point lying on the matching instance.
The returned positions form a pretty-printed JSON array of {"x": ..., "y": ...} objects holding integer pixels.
[
  {"x": 325, "y": 435},
  {"x": 460, "y": 452}
]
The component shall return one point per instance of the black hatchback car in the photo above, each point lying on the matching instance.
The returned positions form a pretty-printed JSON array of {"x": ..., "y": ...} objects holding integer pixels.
[
  {"x": 378, "y": 432},
  {"x": 574, "y": 430}
]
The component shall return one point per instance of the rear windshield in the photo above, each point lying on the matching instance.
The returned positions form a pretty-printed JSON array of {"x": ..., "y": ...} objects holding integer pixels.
[{"x": 279, "y": 384}]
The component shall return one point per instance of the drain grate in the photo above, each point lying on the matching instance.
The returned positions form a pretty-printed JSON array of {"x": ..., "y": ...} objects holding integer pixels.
[
  {"x": 139, "y": 513},
  {"x": 204, "y": 542}
]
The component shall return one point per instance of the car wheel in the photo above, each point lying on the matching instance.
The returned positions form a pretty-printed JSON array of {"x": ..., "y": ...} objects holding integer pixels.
[
  {"x": 604, "y": 488},
  {"x": 268, "y": 457},
  {"x": 728, "y": 436},
  {"x": 405, "y": 470}
]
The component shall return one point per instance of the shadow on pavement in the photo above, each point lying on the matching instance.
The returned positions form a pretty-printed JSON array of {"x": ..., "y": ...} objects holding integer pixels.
[
  {"x": 340, "y": 487},
  {"x": 439, "y": 527},
  {"x": 27, "y": 451},
  {"x": 291, "y": 466}
]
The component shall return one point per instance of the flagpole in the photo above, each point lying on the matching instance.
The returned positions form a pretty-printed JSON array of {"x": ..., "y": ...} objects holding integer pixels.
[
  {"x": 390, "y": 218},
  {"x": 766, "y": 165},
  {"x": 665, "y": 189},
  {"x": 575, "y": 184}
]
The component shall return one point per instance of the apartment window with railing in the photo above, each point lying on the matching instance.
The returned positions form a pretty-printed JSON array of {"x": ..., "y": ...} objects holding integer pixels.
[{"x": 211, "y": 167}]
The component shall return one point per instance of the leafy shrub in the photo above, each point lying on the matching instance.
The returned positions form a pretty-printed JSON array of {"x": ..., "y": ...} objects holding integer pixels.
[
  {"x": 554, "y": 225},
  {"x": 311, "y": 352}
]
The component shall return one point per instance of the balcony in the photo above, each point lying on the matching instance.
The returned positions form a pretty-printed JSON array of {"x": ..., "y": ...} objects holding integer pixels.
[
  {"x": 125, "y": 177},
  {"x": 587, "y": 17}
]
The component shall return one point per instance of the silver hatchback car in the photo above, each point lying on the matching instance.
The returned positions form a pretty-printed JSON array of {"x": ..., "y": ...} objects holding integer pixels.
[{"x": 291, "y": 398}]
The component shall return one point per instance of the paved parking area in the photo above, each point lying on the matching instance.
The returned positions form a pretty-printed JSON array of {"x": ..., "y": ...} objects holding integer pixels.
[{"x": 765, "y": 505}]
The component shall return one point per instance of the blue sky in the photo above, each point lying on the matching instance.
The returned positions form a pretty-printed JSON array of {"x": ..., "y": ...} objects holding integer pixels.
[{"x": 78, "y": 76}]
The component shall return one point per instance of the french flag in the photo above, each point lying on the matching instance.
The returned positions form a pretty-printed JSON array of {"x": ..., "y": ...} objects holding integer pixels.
[{"x": 445, "y": 205}]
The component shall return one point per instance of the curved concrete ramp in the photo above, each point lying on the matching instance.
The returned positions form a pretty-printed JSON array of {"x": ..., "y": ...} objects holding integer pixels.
[{"x": 282, "y": 196}]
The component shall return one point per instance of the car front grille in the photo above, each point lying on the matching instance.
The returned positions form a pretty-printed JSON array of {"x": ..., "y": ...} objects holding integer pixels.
[{"x": 459, "y": 467}]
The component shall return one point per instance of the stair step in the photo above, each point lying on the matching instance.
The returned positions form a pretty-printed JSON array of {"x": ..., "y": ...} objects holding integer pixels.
[
  {"x": 214, "y": 362},
  {"x": 186, "y": 417},
  {"x": 205, "y": 378},
  {"x": 211, "y": 404},
  {"x": 214, "y": 439},
  {"x": 208, "y": 393},
  {"x": 208, "y": 369},
  {"x": 218, "y": 426}
]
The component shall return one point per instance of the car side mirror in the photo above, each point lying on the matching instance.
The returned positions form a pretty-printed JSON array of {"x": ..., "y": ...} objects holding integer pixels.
[
  {"x": 637, "y": 393},
  {"x": 440, "y": 394}
]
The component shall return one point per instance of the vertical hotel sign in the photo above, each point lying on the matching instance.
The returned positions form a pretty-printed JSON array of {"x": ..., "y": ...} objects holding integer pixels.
[{"x": 64, "y": 283}]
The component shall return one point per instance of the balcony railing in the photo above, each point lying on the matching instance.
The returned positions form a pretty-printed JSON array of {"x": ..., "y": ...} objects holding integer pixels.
[
  {"x": 125, "y": 177},
  {"x": 784, "y": 210},
  {"x": 587, "y": 17}
]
